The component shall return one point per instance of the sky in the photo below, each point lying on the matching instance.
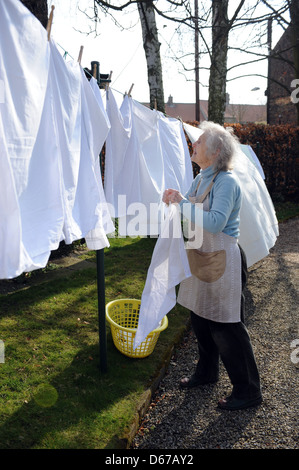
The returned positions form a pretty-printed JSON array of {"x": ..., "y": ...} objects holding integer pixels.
[{"x": 121, "y": 52}]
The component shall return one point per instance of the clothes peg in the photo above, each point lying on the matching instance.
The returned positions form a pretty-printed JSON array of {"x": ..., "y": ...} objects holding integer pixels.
[
  {"x": 107, "y": 84},
  {"x": 50, "y": 20},
  {"x": 80, "y": 54},
  {"x": 129, "y": 94}
]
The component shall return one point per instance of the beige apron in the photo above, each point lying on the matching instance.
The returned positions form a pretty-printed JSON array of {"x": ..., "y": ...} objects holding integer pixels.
[{"x": 218, "y": 300}]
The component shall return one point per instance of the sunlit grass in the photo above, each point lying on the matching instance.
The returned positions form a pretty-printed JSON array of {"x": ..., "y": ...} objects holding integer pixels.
[{"x": 51, "y": 338}]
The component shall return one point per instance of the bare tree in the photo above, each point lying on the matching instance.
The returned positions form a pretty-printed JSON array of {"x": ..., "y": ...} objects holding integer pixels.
[
  {"x": 221, "y": 27},
  {"x": 151, "y": 43},
  {"x": 151, "y": 46}
]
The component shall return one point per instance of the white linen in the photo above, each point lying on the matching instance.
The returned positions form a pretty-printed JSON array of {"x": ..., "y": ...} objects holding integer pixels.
[
  {"x": 29, "y": 132},
  {"x": 248, "y": 150},
  {"x": 135, "y": 167},
  {"x": 145, "y": 153},
  {"x": 10, "y": 221},
  {"x": 66, "y": 78},
  {"x": 53, "y": 129},
  {"x": 115, "y": 156},
  {"x": 258, "y": 222},
  {"x": 96, "y": 238},
  {"x": 41, "y": 204},
  {"x": 177, "y": 166},
  {"x": 169, "y": 266},
  {"x": 83, "y": 127},
  {"x": 24, "y": 68}
]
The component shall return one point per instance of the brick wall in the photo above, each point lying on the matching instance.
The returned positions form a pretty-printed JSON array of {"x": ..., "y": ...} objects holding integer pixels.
[{"x": 280, "y": 108}]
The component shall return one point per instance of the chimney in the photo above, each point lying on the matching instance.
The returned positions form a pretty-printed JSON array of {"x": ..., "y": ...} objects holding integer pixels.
[{"x": 170, "y": 102}]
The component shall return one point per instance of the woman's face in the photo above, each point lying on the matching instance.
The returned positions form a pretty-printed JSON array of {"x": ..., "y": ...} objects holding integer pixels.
[{"x": 199, "y": 155}]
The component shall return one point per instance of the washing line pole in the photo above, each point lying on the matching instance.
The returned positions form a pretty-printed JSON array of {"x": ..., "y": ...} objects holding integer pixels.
[
  {"x": 101, "y": 272},
  {"x": 101, "y": 303},
  {"x": 101, "y": 310}
]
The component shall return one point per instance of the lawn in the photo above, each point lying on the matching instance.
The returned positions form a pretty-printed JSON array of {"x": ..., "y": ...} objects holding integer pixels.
[{"x": 52, "y": 392}]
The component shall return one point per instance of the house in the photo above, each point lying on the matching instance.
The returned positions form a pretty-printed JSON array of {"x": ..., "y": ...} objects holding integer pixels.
[
  {"x": 234, "y": 113},
  {"x": 281, "y": 73}
]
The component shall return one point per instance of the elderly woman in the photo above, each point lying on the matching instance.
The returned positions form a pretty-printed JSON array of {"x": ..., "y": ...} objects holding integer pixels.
[{"x": 213, "y": 293}]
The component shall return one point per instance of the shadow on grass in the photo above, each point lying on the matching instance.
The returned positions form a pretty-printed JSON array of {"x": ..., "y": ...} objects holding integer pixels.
[
  {"x": 93, "y": 410},
  {"x": 84, "y": 396}
]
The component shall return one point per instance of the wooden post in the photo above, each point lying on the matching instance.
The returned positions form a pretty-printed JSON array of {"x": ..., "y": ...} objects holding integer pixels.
[{"x": 50, "y": 20}]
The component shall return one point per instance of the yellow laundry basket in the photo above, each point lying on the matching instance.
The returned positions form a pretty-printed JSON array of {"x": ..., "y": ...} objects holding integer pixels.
[{"x": 122, "y": 316}]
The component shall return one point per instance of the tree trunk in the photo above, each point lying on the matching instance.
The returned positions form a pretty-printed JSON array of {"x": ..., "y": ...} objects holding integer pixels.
[
  {"x": 218, "y": 70},
  {"x": 39, "y": 8},
  {"x": 151, "y": 46}
]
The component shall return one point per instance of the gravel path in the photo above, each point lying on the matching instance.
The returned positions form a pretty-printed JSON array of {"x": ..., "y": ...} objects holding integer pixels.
[{"x": 190, "y": 419}]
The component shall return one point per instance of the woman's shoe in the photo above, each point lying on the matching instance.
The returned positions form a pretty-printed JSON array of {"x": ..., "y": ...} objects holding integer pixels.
[
  {"x": 232, "y": 403},
  {"x": 195, "y": 381}
]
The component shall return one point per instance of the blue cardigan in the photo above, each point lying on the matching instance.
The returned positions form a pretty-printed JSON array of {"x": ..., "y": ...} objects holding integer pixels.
[{"x": 225, "y": 202}]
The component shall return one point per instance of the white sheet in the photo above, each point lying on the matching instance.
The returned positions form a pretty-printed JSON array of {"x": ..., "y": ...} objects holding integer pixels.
[
  {"x": 177, "y": 166},
  {"x": 145, "y": 153},
  {"x": 53, "y": 129},
  {"x": 169, "y": 266},
  {"x": 258, "y": 222}
]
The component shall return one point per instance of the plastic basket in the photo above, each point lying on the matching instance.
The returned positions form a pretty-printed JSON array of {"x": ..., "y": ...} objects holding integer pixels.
[{"x": 123, "y": 315}]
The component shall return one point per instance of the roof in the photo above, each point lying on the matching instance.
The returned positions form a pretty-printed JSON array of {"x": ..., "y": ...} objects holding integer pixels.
[{"x": 234, "y": 112}]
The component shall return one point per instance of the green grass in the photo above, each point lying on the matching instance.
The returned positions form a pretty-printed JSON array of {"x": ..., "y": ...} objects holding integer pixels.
[
  {"x": 286, "y": 210},
  {"x": 52, "y": 393}
]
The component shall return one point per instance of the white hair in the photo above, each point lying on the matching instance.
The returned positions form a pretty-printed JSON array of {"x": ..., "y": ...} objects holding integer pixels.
[{"x": 221, "y": 141}]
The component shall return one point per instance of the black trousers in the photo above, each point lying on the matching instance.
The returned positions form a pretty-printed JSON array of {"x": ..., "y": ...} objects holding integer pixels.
[{"x": 231, "y": 343}]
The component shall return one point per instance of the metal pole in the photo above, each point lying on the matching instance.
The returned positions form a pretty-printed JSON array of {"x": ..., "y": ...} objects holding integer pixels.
[
  {"x": 101, "y": 310},
  {"x": 95, "y": 66}
]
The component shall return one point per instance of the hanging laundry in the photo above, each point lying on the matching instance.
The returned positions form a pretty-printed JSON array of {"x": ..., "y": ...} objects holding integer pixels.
[
  {"x": 133, "y": 166},
  {"x": 97, "y": 238},
  {"x": 24, "y": 68},
  {"x": 247, "y": 149},
  {"x": 66, "y": 90},
  {"x": 10, "y": 221},
  {"x": 116, "y": 147},
  {"x": 258, "y": 222},
  {"x": 83, "y": 127},
  {"x": 41, "y": 202},
  {"x": 169, "y": 266},
  {"x": 53, "y": 131},
  {"x": 178, "y": 172},
  {"x": 29, "y": 131},
  {"x": 145, "y": 153}
]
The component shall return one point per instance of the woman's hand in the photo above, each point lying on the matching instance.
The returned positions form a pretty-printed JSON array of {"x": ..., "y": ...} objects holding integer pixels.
[{"x": 172, "y": 196}]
